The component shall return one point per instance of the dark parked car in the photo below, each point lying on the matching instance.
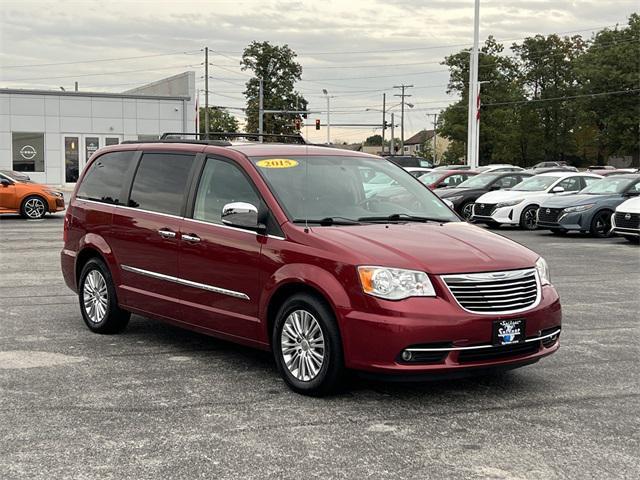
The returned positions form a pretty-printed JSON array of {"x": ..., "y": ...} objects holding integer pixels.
[
  {"x": 453, "y": 167},
  {"x": 445, "y": 178},
  {"x": 464, "y": 195},
  {"x": 589, "y": 210},
  {"x": 409, "y": 161},
  {"x": 278, "y": 247}
]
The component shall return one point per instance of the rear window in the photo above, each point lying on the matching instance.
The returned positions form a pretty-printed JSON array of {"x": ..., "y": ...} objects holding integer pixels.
[
  {"x": 160, "y": 183},
  {"x": 103, "y": 181}
]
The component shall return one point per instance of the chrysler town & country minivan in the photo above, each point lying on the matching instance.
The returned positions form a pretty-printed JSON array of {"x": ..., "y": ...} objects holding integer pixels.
[{"x": 280, "y": 247}]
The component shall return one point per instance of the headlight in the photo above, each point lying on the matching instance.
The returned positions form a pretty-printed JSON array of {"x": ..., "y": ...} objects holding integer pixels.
[
  {"x": 54, "y": 193},
  {"x": 454, "y": 199},
  {"x": 543, "y": 271},
  {"x": 579, "y": 208},
  {"x": 510, "y": 203},
  {"x": 395, "y": 283}
]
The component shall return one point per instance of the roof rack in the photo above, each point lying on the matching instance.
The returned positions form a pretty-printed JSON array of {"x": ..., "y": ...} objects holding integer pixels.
[
  {"x": 218, "y": 143},
  {"x": 207, "y": 137}
]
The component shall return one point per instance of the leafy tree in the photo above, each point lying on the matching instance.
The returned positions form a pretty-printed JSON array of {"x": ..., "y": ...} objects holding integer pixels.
[
  {"x": 373, "y": 140},
  {"x": 277, "y": 66},
  {"x": 220, "y": 120},
  {"x": 611, "y": 63}
]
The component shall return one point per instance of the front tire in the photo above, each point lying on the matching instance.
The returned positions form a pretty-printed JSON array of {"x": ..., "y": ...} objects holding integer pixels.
[
  {"x": 98, "y": 301},
  {"x": 466, "y": 211},
  {"x": 528, "y": 218},
  {"x": 33, "y": 208},
  {"x": 307, "y": 346},
  {"x": 601, "y": 224}
]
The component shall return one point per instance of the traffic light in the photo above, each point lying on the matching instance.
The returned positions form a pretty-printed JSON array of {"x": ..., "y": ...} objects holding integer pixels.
[{"x": 317, "y": 124}]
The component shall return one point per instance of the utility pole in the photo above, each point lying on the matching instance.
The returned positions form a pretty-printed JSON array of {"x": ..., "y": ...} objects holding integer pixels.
[
  {"x": 472, "y": 121},
  {"x": 393, "y": 138},
  {"x": 435, "y": 122},
  {"x": 261, "y": 110},
  {"x": 324, "y": 90},
  {"x": 384, "y": 119},
  {"x": 402, "y": 95},
  {"x": 206, "y": 92}
]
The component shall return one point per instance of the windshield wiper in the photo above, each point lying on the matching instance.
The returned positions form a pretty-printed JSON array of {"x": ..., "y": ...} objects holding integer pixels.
[
  {"x": 328, "y": 221},
  {"x": 398, "y": 217}
]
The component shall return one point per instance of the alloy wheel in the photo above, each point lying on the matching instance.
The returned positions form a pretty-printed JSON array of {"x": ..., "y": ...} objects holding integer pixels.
[
  {"x": 467, "y": 211},
  {"x": 530, "y": 219},
  {"x": 302, "y": 344},
  {"x": 95, "y": 296},
  {"x": 34, "y": 208},
  {"x": 602, "y": 225}
]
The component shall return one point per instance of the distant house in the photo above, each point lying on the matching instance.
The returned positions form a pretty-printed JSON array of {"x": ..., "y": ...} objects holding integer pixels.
[{"x": 415, "y": 144}]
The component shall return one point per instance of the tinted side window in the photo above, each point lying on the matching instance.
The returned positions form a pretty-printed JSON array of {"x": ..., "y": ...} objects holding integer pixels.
[
  {"x": 160, "y": 183},
  {"x": 103, "y": 181},
  {"x": 221, "y": 183}
]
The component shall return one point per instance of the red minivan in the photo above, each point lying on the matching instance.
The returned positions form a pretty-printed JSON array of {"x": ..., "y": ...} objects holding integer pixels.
[{"x": 284, "y": 248}]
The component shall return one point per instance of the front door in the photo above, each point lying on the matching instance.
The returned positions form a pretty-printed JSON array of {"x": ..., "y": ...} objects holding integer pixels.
[
  {"x": 78, "y": 149},
  {"x": 7, "y": 196},
  {"x": 219, "y": 264}
]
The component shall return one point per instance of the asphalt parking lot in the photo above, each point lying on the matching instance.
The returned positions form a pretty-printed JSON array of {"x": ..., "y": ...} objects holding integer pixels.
[{"x": 160, "y": 402}]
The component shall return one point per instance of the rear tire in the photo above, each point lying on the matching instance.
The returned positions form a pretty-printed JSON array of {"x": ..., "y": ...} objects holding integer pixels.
[
  {"x": 528, "y": 218},
  {"x": 33, "y": 208},
  {"x": 307, "y": 346},
  {"x": 98, "y": 301},
  {"x": 601, "y": 224}
]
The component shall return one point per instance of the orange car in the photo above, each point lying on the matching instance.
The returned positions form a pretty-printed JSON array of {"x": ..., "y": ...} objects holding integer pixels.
[{"x": 18, "y": 194}]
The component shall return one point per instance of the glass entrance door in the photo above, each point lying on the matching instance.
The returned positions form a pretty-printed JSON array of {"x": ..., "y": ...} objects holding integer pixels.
[{"x": 78, "y": 149}]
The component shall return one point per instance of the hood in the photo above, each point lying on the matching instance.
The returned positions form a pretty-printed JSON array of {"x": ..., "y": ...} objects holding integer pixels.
[
  {"x": 454, "y": 247},
  {"x": 630, "y": 206},
  {"x": 563, "y": 201},
  {"x": 452, "y": 192}
]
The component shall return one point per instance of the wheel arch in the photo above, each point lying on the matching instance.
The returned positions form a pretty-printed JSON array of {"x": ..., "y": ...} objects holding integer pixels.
[{"x": 29, "y": 195}]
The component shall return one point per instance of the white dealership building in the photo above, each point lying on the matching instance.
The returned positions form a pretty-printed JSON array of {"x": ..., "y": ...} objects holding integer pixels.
[{"x": 50, "y": 135}]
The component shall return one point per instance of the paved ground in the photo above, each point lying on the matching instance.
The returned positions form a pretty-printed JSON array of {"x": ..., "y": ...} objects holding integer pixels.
[{"x": 159, "y": 402}]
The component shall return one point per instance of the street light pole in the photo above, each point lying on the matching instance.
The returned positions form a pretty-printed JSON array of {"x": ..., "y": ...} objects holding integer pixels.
[
  {"x": 472, "y": 121},
  {"x": 393, "y": 141},
  {"x": 206, "y": 92},
  {"x": 261, "y": 110},
  {"x": 324, "y": 90},
  {"x": 384, "y": 123}
]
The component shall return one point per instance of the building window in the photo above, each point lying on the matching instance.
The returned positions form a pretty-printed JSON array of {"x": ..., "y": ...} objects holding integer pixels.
[
  {"x": 28, "y": 151},
  {"x": 406, "y": 148}
]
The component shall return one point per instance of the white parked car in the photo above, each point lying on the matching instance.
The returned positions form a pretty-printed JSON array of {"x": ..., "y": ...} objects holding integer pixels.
[
  {"x": 519, "y": 205},
  {"x": 498, "y": 167},
  {"x": 626, "y": 220},
  {"x": 418, "y": 171}
]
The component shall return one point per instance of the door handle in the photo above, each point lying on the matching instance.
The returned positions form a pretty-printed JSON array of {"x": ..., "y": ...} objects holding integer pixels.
[
  {"x": 190, "y": 238},
  {"x": 164, "y": 233}
]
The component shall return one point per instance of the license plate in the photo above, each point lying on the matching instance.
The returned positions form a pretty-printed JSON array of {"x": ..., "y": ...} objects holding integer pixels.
[{"x": 507, "y": 332}]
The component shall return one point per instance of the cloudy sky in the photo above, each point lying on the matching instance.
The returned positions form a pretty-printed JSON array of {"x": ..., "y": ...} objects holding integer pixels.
[{"x": 356, "y": 49}]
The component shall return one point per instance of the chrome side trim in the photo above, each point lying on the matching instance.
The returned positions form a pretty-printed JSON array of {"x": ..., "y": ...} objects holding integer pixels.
[
  {"x": 188, "y": 283},
  {"x": 228, "y": 227},
  {"x": 478, "y": 347}
]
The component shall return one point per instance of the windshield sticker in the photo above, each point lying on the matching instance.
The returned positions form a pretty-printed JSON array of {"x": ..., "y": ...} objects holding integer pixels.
[{"x": 277, "y": 163}]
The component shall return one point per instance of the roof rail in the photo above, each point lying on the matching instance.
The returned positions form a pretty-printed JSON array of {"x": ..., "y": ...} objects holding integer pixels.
[
  {"x": 217, "y": 143},
  {"x": 275, "y": 137}
]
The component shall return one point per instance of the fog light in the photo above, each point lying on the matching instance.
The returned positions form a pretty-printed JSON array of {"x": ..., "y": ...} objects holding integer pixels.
[{"x": 407, "y": 355}]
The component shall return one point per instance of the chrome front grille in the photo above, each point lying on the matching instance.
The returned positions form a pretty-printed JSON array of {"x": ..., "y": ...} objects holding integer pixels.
[
  {"x": 483, "y": 209},
  {"x": 495, "y": 292}
]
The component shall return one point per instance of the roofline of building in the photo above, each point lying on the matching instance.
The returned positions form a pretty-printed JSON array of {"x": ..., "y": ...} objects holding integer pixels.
[{"x": 21, "y": 91}]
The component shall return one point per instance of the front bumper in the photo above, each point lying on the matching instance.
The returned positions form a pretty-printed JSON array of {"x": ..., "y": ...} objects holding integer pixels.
[
  {"x": 374, "y": 342},
  {"x": 567, "y": 221},
  {"x": 55, "y": 204},
  {"x": 502, "y": 215},
  {"x": 624, "y": 231}
]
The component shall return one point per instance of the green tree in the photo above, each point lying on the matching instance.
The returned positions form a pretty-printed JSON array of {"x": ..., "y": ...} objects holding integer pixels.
[
  {"x": 609, "y": 123},
  {"x": 373, "y": 140},
  {"x": 278, "y": 68},
  {"x": 220, "y": 120}
]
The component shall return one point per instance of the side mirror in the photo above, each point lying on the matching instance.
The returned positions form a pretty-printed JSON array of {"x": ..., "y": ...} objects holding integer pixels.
[
  {"x": 557, "y": 189},
  {"x": 241, "y": 215},
  {"x": 5, "y": 182}
]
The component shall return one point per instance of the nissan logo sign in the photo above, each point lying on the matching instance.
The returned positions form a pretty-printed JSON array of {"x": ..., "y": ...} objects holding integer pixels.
[
  {"x": 28, "y": 152},
  {"x": 627, "y": 216}
]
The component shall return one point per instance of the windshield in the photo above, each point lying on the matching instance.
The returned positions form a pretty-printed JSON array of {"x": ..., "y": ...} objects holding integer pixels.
[
  {"x": 315, "y": 188},
  {"x": 432, "y": 177},
  {"x": 479, "y": 181},
  {"x": 535, "y": 184},
  {"x": 609, "y": 185}
]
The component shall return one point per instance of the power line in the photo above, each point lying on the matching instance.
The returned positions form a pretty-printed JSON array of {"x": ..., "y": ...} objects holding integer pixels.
[
  {"x": 97, "y": 74},
  {"x": 101, "y": 60}
]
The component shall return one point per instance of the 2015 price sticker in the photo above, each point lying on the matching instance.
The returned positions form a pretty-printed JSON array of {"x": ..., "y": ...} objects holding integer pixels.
[{"x": 277, "y": 163}]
